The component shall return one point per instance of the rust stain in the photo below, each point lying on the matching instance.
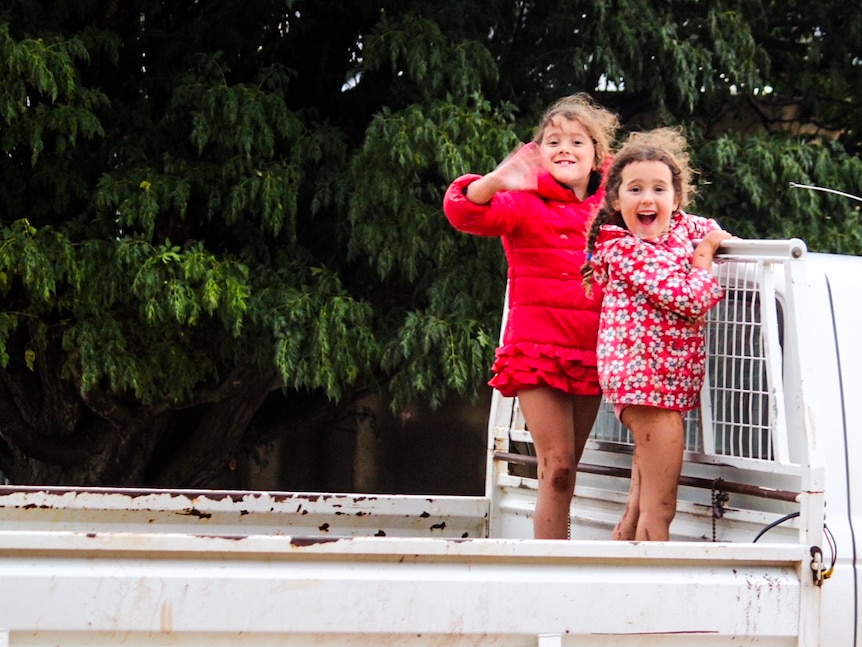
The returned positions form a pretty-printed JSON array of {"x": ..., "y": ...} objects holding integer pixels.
[
  {"x": 194, "y": 512},
  {"x": 167, "y": 618},
  {"x": 299, "y": 542}
]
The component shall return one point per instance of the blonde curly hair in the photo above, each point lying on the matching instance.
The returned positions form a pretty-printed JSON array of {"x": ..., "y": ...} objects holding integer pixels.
[{"x": 600, "y": 123}]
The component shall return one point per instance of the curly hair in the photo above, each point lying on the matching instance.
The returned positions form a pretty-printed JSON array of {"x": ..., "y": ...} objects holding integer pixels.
[
  {"x": 600, "y": 123},
  {"x": 666, "y": 145}
]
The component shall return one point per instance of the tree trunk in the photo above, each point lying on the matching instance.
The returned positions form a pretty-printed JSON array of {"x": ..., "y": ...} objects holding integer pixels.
[
  {"x": 217, "y": 436},
  {"x": 100, "y": 441}
]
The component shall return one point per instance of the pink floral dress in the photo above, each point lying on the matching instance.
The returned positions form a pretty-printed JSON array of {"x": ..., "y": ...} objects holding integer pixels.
[{"x": 651, "y": 333}]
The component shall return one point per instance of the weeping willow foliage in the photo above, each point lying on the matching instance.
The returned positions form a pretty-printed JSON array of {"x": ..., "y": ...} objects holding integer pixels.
[{"x": 202, "y": 203}]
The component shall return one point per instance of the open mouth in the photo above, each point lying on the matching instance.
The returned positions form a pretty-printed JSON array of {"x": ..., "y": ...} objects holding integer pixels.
[{"x": 647, "y": 219}]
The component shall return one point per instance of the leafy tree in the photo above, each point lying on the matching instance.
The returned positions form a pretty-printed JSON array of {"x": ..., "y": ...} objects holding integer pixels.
[{"x": 208, "y": 207}]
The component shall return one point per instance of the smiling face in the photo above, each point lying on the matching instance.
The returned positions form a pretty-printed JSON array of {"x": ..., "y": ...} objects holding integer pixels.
[
  {"x": 646, "y": 198},
  {"x": 568, "y": 154}
]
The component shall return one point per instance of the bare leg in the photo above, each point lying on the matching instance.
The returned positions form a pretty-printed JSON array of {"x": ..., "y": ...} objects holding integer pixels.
[
  {"x": 659, "y": 444},
  {"x": 559, "y": 424},
  {"x": 548, "y": 414},
  {"x": 586, "y": 407},
  {"x": 627, "y": 526}
]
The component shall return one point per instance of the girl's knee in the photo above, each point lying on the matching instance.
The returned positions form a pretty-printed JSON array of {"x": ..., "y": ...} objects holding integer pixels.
[{"x": 561, "y": 478}]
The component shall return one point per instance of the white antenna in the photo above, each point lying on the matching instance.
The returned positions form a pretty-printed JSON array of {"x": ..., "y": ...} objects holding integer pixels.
[{"x": 793, "y": 185}]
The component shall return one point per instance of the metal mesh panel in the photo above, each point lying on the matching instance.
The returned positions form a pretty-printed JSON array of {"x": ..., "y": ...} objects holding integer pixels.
[{"x": 738, "y": 385}]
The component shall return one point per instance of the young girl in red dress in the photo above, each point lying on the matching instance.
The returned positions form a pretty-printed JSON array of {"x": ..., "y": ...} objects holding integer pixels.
[
  {"x": 653, "y": 262},
  {"x": 540, "y": 201}
]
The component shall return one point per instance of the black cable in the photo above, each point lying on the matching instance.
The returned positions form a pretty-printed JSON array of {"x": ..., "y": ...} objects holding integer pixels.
[
  {"x": 830, "y": 539},
  {"x": 786, "y": 517}
]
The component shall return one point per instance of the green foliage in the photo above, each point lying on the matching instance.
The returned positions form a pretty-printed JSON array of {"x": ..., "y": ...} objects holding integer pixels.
[
  {"x": 433, "y": 65},
  {"x": 752, "y": 190},
  {"x": 395, "y": 213},
  {"x": 41, "y": 258},
  {"x": 428, "y": 347},
  {"x": 323, "y": 338},
  {"x": 201, "y": 203}
]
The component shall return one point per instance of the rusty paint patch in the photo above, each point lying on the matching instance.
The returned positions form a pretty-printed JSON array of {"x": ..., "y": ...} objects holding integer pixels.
[
  {"x": 194, "y": 512},
  {"x": 299, "y": 542}
]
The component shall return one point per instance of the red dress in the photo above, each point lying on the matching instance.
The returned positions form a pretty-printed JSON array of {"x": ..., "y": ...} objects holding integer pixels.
[
  {"x": 651, "y": 338},
  {"x": 551, "y": 326}
]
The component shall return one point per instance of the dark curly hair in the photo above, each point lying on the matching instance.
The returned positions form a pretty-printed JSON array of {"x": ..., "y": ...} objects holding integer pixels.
[{"x": 666, "y": 145}]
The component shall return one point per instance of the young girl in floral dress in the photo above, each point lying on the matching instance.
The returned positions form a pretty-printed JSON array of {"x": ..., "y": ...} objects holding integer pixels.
[
  {"x": 540, "y": 201},
  {"x": 653, "y": 262}
]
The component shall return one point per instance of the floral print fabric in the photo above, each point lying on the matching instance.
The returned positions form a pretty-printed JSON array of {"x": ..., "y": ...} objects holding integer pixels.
[{"x": 651, "y": 333}]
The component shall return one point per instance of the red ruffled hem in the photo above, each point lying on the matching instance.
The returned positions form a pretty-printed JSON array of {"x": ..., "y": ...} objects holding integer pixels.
[{"x": 527, "y": 366}]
